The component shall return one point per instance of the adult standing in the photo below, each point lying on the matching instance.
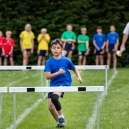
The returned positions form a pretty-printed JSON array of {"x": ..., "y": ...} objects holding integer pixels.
[
  {"x": 43, "y": 40},
  {"x": 27, "y": 43}
]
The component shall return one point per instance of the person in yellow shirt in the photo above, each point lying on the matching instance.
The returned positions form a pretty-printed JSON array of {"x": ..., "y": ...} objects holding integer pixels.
[
  {"x": 27, "y": 43},
  {"x": 43, "y": 40}
]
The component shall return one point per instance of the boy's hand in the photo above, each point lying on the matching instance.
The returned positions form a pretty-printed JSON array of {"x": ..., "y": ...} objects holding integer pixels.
[
  {"x": 80, "y": 80},
  {"x": 61, "y": 71}
]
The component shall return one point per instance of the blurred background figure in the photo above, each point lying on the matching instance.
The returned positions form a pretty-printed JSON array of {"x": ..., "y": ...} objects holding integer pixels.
[
  {"x": 112, "y": 46},
  {"x": 43, "y": 40},
  {"x": 69, "y": 38},
  {"x": 83, "y": 46},
  {"x": 27, "y": 43},
  {"x": 8, "y": 49},
  {"x": 2, "y": 41},
  {"x": 99, "y": 42}
]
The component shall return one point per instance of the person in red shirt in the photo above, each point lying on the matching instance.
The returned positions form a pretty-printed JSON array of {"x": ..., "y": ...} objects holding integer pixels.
[
  {"x": 8, "y": 49},
  {"x": 2, "y": 41}
]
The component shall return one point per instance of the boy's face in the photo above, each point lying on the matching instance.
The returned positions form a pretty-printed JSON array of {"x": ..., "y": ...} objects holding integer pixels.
[
  {"x": 8, "y": 35},
  {"x": 99, "y": 30},
  {"x": 83, "y": 31},
  {"x": 28, "y": 28},
  {"x": 112, "y": 29},
  {"x": 56, "y": 50},
  {"x": 69, "y": 28}
]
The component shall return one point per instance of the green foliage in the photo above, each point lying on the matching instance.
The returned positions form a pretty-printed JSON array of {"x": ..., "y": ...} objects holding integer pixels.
[{"x": 54, "y": 15}]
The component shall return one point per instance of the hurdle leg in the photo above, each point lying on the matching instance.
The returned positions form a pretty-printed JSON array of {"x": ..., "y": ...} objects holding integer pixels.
[
  {"x": 0, "y": 109},
  {"x": 106, "y": 77},
  {"x": 41, "y": 79},
  {"x": 14, "y": 106},
  {"x": 98, "y": 110}
]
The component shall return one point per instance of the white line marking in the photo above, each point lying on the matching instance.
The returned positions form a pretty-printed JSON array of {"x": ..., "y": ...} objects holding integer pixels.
[
  {"x": 92, "y": 119},
  {"x": 25, "y": 113}
]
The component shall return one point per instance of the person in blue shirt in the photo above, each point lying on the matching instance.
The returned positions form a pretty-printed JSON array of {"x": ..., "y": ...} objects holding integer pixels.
[
  {"x": 99, "y": 44},
  {"x": 112, "y": 46},
  {"x": 57, "y": 70}
]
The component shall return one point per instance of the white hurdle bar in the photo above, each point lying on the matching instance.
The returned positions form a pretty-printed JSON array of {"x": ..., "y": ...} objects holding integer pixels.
[
  {"x": 97, "y": 89},
  {"x": 2, "y": 90},
  {"x": 87, "y": 67}
]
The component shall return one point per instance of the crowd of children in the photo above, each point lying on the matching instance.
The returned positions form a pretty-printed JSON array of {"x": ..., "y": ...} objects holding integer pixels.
[{"x": 101, "y": 43}]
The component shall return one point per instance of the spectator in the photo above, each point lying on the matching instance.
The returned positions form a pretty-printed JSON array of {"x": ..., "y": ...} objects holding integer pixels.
[
  {"x": 99, "y": 44},
  {"x": 69, "y": 38},
  {"x": 27, "y": 43},
  {"x": 2, "y": 41},
  {"x": 8, "y": 49},
  {"x": 83, "y": 46},
  {"x": 43, "y": 40},
  {"x": 112, "y": 46}
]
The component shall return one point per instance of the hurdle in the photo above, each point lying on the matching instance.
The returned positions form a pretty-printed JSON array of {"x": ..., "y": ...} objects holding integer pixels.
[
  {"x": 2, "y": 90},
  {"x": 97, "y": 89},
  {"x": 80, "y": 67}
]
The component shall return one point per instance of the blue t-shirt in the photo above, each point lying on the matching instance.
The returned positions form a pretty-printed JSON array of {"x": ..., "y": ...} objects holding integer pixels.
[
  {"x": 112, "y": 37},
  {"x": 53, "y": 65},
  {"x": 99, "y": 39}
]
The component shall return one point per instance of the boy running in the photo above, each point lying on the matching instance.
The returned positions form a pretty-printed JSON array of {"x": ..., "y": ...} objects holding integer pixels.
[
  {"x": 112, "y": 46},
  {"x": 83, "y": 46},
  {"x": 99, "y": 44},
  {"x": 8, "y": 49},
  {"x": 69, "y": 38},
  {"x": 57, "y": 70},
  {"x": 43, "y": 40},
  {"x": 2, "y": 41}
]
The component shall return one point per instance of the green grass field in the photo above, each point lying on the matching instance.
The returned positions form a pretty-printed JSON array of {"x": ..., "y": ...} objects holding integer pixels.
[{"x": 32, "y": 112}]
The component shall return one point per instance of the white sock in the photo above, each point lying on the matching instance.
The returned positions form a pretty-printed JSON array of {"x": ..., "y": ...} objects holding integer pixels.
[{"x": 61, "y": 116}]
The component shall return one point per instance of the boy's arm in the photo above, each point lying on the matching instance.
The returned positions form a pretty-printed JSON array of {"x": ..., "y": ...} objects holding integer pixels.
[
  {"x": 78, "y": 75},
  {"x": 52, "y": 75},
  {"x": 11, "y": 51},
  {"x": 117, "y": 44},
  {"x": 104, "y": 45},
  {"x": 94, "y": 43},
  {"x": 125, "y": 37},
  {"x": 21, "y": 44}
]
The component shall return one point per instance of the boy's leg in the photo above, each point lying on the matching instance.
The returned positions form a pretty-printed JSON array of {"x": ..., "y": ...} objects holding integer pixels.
[
  {"x": 24, "y": 53},
  {"x": 5, "y": 61},
  {"x": 70, "y": 54},
  {"x": 0, "y": 61},
  {"x": 114, "y": 60},
  {"x": 84, "y": 60},
  {"x": 97, "y": 60},
  {"x": 80, "y": 60},
  {"x": 101, "y": 59},
  {"x": 64, "y": 53},
  {"x": 52, "y": 109},
  {"x": 43, "y": 60},
  {"x": 39, "y": 60},
  {"x": 109, "y": 59},
  {"x": 11, "y": 61}
]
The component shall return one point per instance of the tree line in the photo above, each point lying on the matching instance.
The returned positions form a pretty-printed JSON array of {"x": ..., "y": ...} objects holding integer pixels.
[{"x": 54, "y": 15}]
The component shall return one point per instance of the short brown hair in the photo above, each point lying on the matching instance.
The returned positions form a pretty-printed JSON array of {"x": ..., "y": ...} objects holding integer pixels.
[
  {"x": 99, "y": 27},
  {"x": 57, "y": 41}
]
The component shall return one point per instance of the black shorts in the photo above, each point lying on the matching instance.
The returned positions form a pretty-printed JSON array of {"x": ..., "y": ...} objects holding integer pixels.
[
  {"x": 51, "y": 93},
  {"x": 42, "y": 53},
  {"x": 83, "y": 53},
  {"x": 68, "y": 47},
  {"x": 100, "y": 52},
  {"x": 111, "y": 48},
  {"x": 0, "y": 52},
  {"x": 28, "y": 50},
  {"x": 8, "y": 56}
]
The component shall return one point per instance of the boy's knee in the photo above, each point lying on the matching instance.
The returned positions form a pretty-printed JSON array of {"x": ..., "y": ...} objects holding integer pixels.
[
  {"x": 50, "y": 107},
  {"x": 54, "y": 98}
]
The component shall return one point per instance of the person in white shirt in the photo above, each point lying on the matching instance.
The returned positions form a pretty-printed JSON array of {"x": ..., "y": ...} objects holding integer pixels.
[{"x": 125, "y": 36}]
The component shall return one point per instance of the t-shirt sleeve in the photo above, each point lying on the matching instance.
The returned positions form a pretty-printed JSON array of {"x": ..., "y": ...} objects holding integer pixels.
[
  {"x": 78, "y": 38},
  {"x": 47, "y": 67},
  {"x": 63, "y": 35},
  {"x": 104, "y": 37},
  {"x": 88, "y": 39},
  {"x": 126, "y": 30},
  {"x": 117, "y": 36},
  {"x": 48, "y": 37},
  {"x": 13, "y": 43},
  {"x": 21, "y": 35},
  {"x": 70, "y": 65},
  {"x": 33, "y": 35},
  {"x": 39, "y": 36},
  {"x": 74, "y": 35},
  {"x": 94, "y": 37}
]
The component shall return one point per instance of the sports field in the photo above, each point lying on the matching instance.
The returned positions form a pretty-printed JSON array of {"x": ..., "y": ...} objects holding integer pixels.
[{"x": 79, "y": 108}]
